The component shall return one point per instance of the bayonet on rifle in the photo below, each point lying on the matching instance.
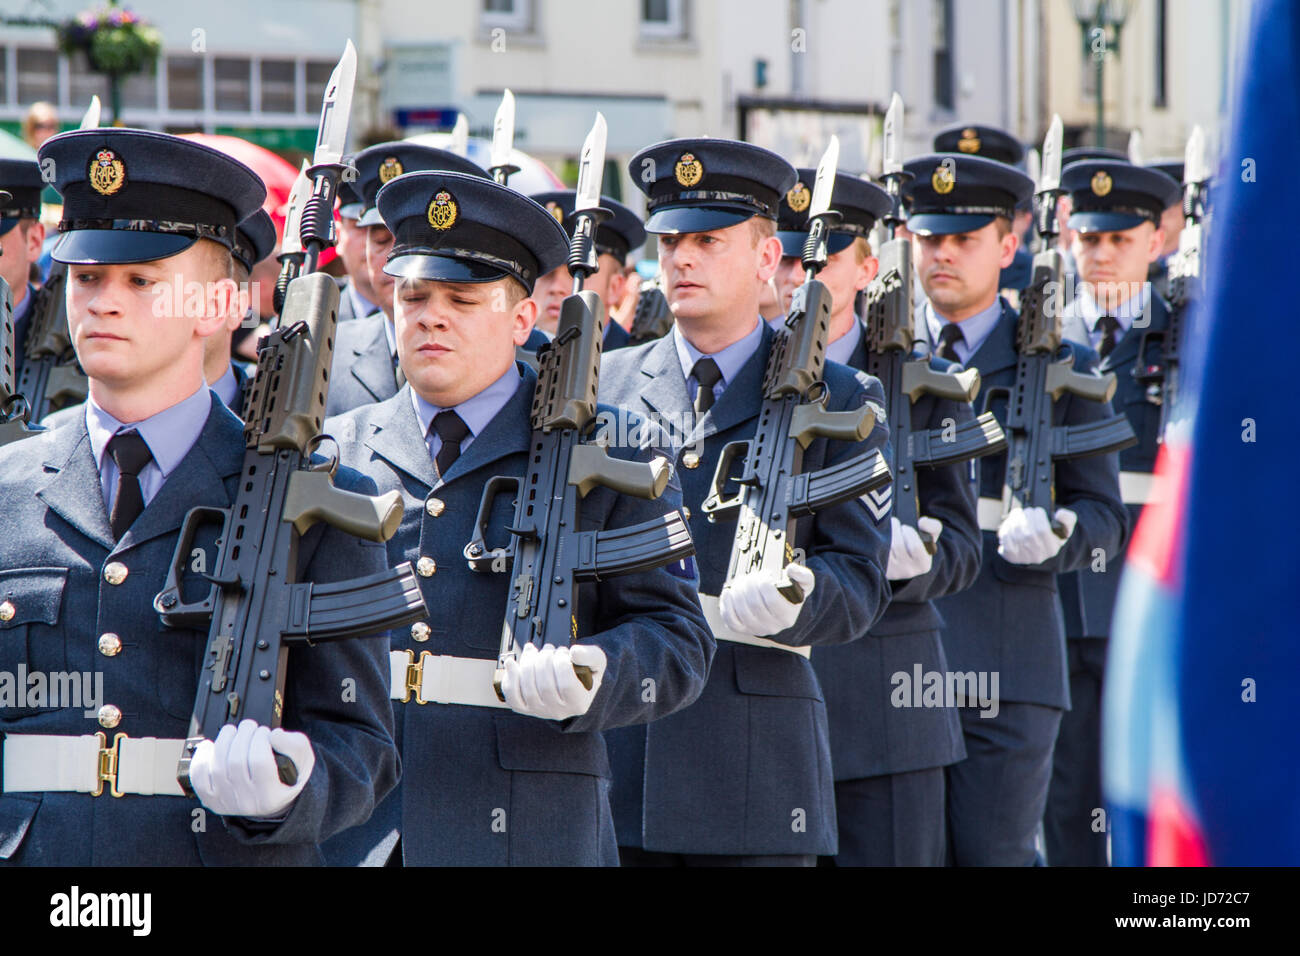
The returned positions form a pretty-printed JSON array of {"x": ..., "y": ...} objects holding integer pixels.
[
  {"x": 899, "y": 356},
  {"x": 773, "y": 493},
  {"x": 255, "y": 609},
  {"x": 548, "y": 556},
  {"x": 1045, "y": 370}
]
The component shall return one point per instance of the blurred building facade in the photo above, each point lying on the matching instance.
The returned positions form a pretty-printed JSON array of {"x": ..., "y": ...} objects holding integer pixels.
[{"x": 783, "y": 73}]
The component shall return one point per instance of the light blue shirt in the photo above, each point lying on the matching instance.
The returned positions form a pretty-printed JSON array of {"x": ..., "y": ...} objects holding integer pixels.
[
  {"x": 227, "y": 389},
  {"x": 361, "y": 306},
  {"x": 25, "y": 306},
  {"x": 730, "y": 360},
  {"x": 170, "y": 434},
  {"x": 973, "y": 330},
  {"x": 841, "y": 350},
  {"x": 476, "y": 412},
  {"x": 1129, "y": 311}
]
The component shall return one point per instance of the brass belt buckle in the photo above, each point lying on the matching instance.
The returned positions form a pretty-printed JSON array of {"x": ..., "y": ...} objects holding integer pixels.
[
  {"x": 415, "y": 677},
  {"x": 106, "y": 771}
]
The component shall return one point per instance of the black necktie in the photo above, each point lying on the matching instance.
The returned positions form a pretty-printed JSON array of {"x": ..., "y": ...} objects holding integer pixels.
[
  {"x": 706, "y": 374},
  {"x": 949, "y": 336},
  {"x": 1110, "y": 333},
  {"x": 131, "y": 454},
  {"x": 451, "y": 428}
]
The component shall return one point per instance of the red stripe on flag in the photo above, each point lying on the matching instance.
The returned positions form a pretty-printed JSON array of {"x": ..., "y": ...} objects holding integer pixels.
[
  {"x": 1173, "y": 837},
  {"x": 1157, "y": 541}
]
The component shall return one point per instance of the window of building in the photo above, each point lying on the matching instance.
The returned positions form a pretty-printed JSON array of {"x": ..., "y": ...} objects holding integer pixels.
[
  {"x": 278, "y": 94},
  {"x": 515, "y": 15},
  {"x": 232, "y": 85},
  {"x": 139, "y": 92},
  {"x": 663, "y": 18},
  {"x": 38, "y": 76},
  {"x": 318, "y": 76},
  {"x": 941, "y": 12},
  {"x": 1160, "y": 59},
  {"x": 184, "y": 83},
  {"x": 83, "y": 83}
]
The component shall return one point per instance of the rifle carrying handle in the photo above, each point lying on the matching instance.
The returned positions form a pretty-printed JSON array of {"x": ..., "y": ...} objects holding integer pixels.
[
  {"x": 715, "y": 505},
  {"x": 312, "y": 497},
  {"x": 476, "y": 552},
  {"x": 167, "y": 602}
]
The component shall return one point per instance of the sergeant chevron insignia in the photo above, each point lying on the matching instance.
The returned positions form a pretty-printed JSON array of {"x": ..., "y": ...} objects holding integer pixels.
[{"x": 880, "y": 502}]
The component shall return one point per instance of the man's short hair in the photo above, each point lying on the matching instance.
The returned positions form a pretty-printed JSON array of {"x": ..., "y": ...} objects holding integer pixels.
[
  {"x": 219, "y": 259},
  {"x": 861, "y": 249},
  {"x": 1004, "y": 226},
  {"x": 761, "y": 228}
]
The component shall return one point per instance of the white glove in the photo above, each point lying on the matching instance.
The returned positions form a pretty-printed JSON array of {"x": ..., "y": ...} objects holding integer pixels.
[
  {"x": 751, "y": 604},
  {"x": 237, "y": 776},
  {"x": 544, "y": 684},
  {"x": 907, "y": 555},
  {"x": 1025, "y": 537}
]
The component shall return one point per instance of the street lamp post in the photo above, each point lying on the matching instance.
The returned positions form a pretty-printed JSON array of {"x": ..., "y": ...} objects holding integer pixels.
[{"x": 1100, "y": 22}]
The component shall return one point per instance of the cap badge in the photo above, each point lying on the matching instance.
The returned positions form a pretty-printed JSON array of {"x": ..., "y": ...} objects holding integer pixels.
[
  {"x": 556, "y": 212},
  {"x": 390, "y": 168},
  {"x": 442, "y": 211},
  {"x": 107, "y": 173},
  {"x": 1101, "y": 182},
  {"x": 970, "y": 141},
  {"x": 944, "y": 178},
  {"x": 799, "y": 197},
  {"x": 688, "y": 170}
]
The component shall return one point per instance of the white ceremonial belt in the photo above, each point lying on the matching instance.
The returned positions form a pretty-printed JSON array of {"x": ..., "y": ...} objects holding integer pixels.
[
  {"x": 145, "y": 766},
  {"x": 723, "y": 633},
  {"x": 1137, "y": 487},
  {"x": 990, "y": 513},
  {"x": 442, "y": 679}
]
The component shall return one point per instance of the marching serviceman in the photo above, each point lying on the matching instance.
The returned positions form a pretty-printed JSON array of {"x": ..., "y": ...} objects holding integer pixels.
[
  {"x": 616, "y": 237},
  {"x": 742, "y": 776},
  {"x": 365, "y": 352},
  {"x": 888, "y": 760},
  {"x": 21, "y": 239},
  {"x": 524, "y": 780},
  {"x": 90, "y": 525},
  {"x": 1008, "y": 623},
  {"x": 356, "y": 295},
  {"x": 1116, "y": 216}
]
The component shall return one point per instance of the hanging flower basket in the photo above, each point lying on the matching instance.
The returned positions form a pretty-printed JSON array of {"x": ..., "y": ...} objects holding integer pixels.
[{"x": 116, "y": 41}]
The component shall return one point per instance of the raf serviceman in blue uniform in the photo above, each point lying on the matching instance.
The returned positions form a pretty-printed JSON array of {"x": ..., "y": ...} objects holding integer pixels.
[
  {"x": 742, "y": 776},
  {"x": 486, "y": 782},
  {"x": 365, "y": 354},
  {"x": 91, "y": 520},
  {"x": 1171, "y": 223},
  {"x": 616, "y": 237},
  {"x": 356, "y": 294},
  {"x": 21, "y": 239},
  {"x": 1008, "y": 624},
  {"x": 1117, "y": 236},
  {"x": 888, "y": 759}
]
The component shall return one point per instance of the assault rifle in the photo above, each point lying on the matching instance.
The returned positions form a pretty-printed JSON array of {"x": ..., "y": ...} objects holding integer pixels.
[
  {"x": 652, "y": 319},
  {"x": 773, "y": 493},
  {"x": 900, "y": 358},
  {"x": 1160, "y": 353},
  {"x": 1045, "y": 371},
  {"x": 548, "y": 556},
  {"x": 51, "y": 378},
  {"x": 13, "y": 407},
  {"x": 256, "y": 610}
]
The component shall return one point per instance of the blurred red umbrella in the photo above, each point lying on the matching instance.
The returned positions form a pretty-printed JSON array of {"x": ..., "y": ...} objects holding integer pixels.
[{"x": 278, "y": 174}]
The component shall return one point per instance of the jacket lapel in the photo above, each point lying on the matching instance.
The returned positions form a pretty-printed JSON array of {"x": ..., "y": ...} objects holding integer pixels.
[
  {"x": 998, "y": 351},
  {"x": 858, "y": 359},
  {"x": 198, "y": 479},
  {"x": 1126, "y": 350},
  {"x": 743, "y": 397},
  {"x": 395, "y": 436},
  {"x": 74, "y": 492},
  {"x": 373, "y": 367},
  {"x": 510, "y": 431},
  {"x": 665, "y": 392}
]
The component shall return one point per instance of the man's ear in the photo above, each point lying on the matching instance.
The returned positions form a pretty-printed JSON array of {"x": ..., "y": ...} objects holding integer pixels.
[
  {"x": 867, "y": 270},
  {"x": 769, "y": 257},
  {"x": 523, "y": 320},
  {"x": 1157, "y": 244},
  {"x": 617, "y": 288},
  {"x": 224, "y": 308},
  {"x": 35, "y": 240},
  {"x": 1010, "y": 243}
]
